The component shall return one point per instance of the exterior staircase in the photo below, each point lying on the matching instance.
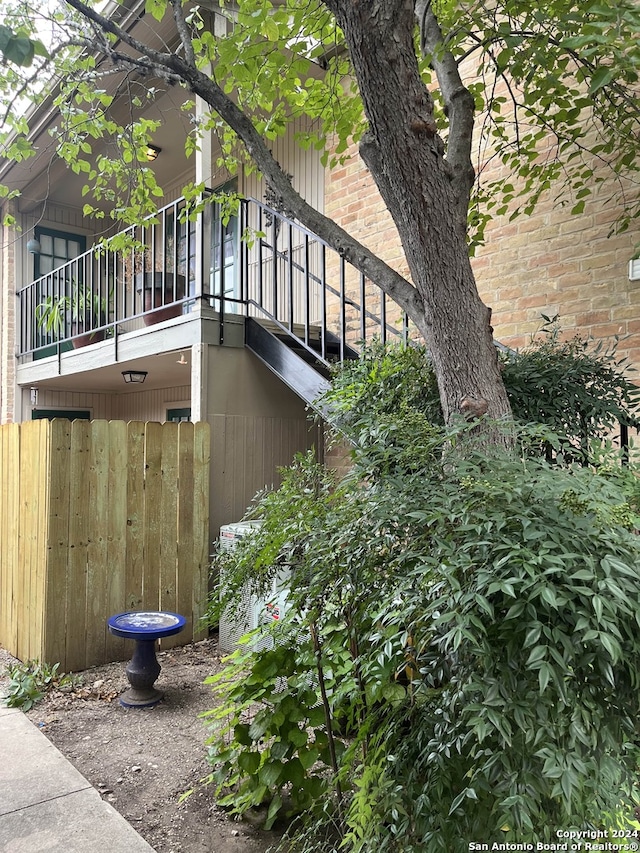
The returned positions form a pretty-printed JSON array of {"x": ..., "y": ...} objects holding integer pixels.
[
  {"x": 303, "y": 368},
  {"x": 307, "y": 308}
]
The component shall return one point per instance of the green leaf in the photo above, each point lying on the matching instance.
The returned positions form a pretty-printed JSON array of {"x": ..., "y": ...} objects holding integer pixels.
[
  {"x": 270, "y": 773},
  {"x": 249, "y": 762},
  {"x": 156, "y": 8}
]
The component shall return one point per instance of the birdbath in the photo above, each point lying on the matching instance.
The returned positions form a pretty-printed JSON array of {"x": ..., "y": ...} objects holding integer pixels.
[{"x": 145, "y": 627}]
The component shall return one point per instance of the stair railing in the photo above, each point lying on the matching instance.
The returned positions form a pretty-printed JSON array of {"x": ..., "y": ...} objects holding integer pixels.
[{"x": 293, "y": 279}]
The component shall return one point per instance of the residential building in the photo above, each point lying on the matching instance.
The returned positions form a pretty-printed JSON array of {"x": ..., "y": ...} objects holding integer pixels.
[{"x": 203, "y": 316}]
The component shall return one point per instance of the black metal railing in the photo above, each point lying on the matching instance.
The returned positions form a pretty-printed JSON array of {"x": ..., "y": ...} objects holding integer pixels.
[{"x": 252, "y": 261}]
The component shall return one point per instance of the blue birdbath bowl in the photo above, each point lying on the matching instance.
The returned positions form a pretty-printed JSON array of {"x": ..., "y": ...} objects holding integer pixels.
[{"x": 145, "y": 627}]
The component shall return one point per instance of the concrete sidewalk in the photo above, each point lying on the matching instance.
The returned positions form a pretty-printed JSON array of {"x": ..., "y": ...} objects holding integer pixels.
[{"x": 46, "y": 806}]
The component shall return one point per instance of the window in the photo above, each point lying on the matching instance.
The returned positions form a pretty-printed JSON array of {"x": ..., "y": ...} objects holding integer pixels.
[
  {"x": 224, "y": 252},
  {"x": 178, "y": 415},
  {"x": 56, "y": 249},
  {"x": 70, "y": 414}
]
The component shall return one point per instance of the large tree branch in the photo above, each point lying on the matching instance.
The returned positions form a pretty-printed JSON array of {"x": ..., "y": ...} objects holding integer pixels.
[
  {"x": 459, "y": 106},
  {"x": 176, "y": 68},
  {"x": 183, "y": 31}
]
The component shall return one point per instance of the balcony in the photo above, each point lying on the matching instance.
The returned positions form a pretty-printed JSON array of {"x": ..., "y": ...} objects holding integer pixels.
[{"x": 184, "y": 277}]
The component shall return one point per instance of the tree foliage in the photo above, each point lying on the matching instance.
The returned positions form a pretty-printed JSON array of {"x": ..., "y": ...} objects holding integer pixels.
[
  {"x": 462, "y": 629},
  {"x": 551, "y": 91},
  {"x": 557, "y": 76}
]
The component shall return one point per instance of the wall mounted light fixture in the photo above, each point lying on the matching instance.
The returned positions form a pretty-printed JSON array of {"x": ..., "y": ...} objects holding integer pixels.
[
  {"x": 152, "y": 152},
  {"x": 134, "y": 376},
  {"x": 634, "y": 270}
]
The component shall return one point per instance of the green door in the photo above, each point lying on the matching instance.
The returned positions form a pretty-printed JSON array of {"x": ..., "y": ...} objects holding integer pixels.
[{"x": 56, "y": 248}]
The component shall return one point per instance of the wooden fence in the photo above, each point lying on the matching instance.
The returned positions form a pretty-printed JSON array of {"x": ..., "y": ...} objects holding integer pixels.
[{"x": 99, "y": 517}]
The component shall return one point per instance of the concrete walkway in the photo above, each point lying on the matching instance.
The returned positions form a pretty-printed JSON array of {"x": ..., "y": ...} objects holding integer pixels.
[{"x": 46, "y": 806}]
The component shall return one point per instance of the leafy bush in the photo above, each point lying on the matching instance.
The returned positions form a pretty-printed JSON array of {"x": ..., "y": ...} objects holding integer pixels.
[
  {"x": 461, "y": 654},
  {"x": 476, "y": 625},
  {"x": 30, "y": 681},
  {"x": 576, "y": 391}
]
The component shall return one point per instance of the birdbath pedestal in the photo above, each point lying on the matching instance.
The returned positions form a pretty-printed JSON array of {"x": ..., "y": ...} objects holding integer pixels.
[{"x": 145, "y": 627}]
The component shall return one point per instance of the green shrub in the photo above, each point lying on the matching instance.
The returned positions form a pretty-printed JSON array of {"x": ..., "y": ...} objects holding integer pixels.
[
  {"x": 30, "y": 681},
  {"x": 578, "y": 389},
  {"x": 477, "y": 629},
  {"x": 576, "y": 392},
  {"x": 460, "y": 659}
]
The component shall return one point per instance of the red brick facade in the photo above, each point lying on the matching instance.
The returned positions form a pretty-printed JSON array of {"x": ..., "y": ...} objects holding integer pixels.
[{"x": 548, "y": 263}]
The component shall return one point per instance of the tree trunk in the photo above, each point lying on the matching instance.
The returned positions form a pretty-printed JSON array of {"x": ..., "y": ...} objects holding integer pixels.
[
  {"x": 426, "y": 194},
  {"x": 406, "y": 158}
]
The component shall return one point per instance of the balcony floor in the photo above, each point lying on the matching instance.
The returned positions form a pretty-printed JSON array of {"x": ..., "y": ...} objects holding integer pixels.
[{"x": 98, "y": 366}]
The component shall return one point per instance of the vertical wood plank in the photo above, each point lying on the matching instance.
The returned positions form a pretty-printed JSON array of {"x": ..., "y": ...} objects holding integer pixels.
[
  {"x": 152, "y": 516},
  {"x": 169, "y": 517},
  {"x": 9, "y": 566},
  {"x": 97, "y": 567},
  {"x": 78, "y": 541},
  {"x": 134, "y": 577},
  {"x": 116, "y": 535},
  {"x": 28, "y": 536},
  {"x": 185, "y": 508},
  {"x": 14, "y": 519},
  {"x": 57, "y": 590},
  {"x": 167, "y": 568},
  {"x": 200, "y": 531},
  {"x": 5, "y": 480},
  {"x": 39, "y": 567}
]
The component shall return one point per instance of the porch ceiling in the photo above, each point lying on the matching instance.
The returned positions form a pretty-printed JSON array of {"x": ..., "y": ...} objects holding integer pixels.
[
  {"x": 46, "y": 178},
  {"x": 163, "y": 371}
]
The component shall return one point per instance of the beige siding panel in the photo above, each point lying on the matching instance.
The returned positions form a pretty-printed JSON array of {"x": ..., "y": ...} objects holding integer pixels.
[
  {"x": 199, "y": 568},
  {"x": 308, "y": 178},
  {"x": 245, "y": 455},
  {"x": 101, "y": 406},
  {"x": 151, "y": 405},
  {"x": 305, "y": 167}
]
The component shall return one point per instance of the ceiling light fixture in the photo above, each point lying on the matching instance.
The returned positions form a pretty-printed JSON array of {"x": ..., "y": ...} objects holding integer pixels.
[
  {"x": 151, "y": 152},
  {"x": 182, "y": 359},
  {"x": 134, "y": 376}
]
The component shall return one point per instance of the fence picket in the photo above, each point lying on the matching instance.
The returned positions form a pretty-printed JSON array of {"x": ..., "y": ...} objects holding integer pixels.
[
  {"x": 57, "y": 586},
  {"x": 117, "y": 533}
]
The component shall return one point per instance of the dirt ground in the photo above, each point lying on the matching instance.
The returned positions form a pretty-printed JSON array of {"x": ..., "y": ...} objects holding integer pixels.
[{"x": 142, "y": 760}]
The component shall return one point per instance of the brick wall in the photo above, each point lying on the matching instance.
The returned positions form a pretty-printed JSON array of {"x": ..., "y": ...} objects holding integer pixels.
[
  {"x": 550, "y": 262},
  {"x": 554, "y": 263}
]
